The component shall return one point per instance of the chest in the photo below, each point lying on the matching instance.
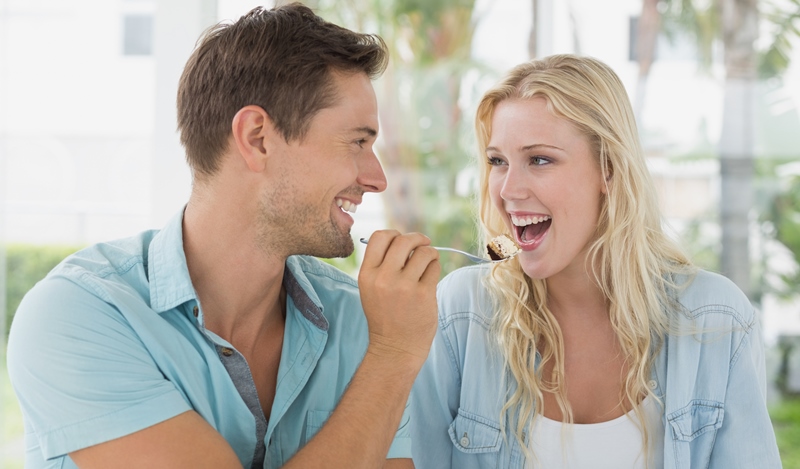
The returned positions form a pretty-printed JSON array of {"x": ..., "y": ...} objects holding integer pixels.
[
  {"x": 593, "y": 376},
  {"x": 264, "y": 363}
]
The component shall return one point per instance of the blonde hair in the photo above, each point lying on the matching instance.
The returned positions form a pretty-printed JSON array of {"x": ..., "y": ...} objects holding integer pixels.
[{"x": 632, "y": 259}]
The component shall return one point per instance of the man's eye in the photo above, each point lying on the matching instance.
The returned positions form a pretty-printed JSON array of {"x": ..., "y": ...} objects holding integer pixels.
[{"x": 361, "y": 142}]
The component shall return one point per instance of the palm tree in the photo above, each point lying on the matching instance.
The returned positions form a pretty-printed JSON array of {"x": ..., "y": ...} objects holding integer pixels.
[
  {"x": 736, "y": 24},
  {"x": 647, "y": 29},
  {"x": 737, "y": 141}
]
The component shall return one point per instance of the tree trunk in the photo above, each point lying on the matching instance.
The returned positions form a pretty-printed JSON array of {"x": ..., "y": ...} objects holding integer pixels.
[
  {"x": 532, "y": 42},
  {"x": 646, "y": 37},
  {"x": 739, "y": 19}
]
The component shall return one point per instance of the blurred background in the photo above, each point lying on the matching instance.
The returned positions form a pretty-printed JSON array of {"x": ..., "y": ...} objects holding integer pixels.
[{"x": 89, "y": 151}]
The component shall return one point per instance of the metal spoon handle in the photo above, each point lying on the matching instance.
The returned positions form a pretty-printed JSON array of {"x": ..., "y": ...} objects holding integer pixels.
[{"x": 473, "y": 258}]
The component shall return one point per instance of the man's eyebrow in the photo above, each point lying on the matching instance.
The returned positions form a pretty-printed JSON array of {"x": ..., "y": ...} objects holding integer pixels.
[{"x": 366, "y": 130}]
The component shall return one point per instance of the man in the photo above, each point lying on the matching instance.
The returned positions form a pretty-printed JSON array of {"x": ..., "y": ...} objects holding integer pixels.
[{"x": 211, "y": 343}]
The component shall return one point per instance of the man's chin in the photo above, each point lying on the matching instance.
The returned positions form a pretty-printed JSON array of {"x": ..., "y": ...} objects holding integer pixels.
[{"x": 342, "y": 248}]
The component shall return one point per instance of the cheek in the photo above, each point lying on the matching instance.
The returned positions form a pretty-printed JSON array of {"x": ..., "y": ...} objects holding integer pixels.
[{"x": 495, "y": 185}]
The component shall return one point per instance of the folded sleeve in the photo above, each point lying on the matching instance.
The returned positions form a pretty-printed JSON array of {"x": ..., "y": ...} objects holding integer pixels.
[{"x": 80, "y": 371}]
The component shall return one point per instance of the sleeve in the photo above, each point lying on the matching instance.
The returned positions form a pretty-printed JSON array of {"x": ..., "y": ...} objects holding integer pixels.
[
  {"x": 746, "y": 438},
  {"x": 81, "y": 373},
  {"x": 434, "y": 405}
]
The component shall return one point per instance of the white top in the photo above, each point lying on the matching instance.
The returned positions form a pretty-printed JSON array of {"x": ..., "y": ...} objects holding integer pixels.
[{"x": 607, "y": 445}]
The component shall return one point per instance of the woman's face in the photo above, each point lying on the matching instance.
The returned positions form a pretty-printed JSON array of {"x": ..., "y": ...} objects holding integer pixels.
[{"x": 547, "y": 185}]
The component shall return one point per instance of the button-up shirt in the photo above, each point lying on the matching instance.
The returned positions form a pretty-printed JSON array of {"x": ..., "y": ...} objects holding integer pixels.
[{"x": 113, "y": 341}]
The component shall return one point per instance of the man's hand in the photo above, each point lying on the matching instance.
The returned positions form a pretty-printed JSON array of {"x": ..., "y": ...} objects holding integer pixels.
[{"x": 397, "y": 281}]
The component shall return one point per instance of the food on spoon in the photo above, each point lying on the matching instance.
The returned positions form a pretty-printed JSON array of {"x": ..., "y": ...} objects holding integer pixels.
[{"x": 501, "y": 247}]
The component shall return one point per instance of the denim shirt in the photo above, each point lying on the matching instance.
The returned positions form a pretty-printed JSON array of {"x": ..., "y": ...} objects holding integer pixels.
[{"x": 713, "y": 384}]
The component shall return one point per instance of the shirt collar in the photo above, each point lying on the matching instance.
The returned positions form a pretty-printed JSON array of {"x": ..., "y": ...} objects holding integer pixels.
[
  {"x": 302, "y": 292},
  {"x": 170, "y": 283}
]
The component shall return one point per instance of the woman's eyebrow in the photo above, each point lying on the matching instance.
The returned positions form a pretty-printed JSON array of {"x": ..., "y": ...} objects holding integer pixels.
[
  {"x": 528, "y": 147},
  {"x": 540, "y": 145}
]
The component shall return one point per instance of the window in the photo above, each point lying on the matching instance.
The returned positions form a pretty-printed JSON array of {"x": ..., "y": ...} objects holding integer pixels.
[{"x": 137, "y": 30}]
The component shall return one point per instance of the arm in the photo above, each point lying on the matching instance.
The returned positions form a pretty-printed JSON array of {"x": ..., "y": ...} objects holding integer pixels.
[
  {"x": 398, "y": 464},
  {"x": 173, "y": 443},
  {"x": 397, "y": 283}
]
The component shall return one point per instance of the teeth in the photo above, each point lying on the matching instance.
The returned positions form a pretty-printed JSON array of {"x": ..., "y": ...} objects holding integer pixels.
[
  {"x": 346, "y": 205},
  {"x": 525, "y": 221}
]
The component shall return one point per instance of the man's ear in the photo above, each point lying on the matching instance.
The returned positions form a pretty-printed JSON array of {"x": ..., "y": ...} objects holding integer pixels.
[{"x": 251, "y": 127}]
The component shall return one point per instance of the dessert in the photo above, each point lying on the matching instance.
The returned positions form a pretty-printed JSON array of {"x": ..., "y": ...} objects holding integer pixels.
[{"x": 502, "y": 247}]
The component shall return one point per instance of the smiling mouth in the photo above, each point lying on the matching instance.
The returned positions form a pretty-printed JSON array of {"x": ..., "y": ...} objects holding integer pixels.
[
  {"x": 346, "y": 205},
  {"x": 530, "y": 229}
]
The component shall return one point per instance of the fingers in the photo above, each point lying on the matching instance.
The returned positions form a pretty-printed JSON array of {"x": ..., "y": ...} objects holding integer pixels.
[
  {"x": 390, "y": 250},
  {"x": 378, "y": 245},
  {"x": 397, "y": 284}
]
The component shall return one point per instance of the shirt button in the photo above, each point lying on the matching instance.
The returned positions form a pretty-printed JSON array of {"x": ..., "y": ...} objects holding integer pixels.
[
  {"x": 227, "y": 352},
  {"x": 652, "y": 384},
  {"x": 464, "y": 440},
  {"x": 196, "y": 311}
]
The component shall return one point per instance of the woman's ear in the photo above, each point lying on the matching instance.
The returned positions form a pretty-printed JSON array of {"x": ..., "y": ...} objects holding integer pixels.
[
  {"x": 251, "y": 126},
  {"x": 609, "y": 172}
]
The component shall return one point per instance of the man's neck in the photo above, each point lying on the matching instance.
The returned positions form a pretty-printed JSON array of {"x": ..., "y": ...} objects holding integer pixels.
[{"x": 239, "y": 285}]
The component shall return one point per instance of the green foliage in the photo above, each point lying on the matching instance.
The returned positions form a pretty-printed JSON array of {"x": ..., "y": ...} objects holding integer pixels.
[
  {"x": 785, "y": 417},
  {"x": 702, "y": 21},
  {"x": 783, "y": 21},
  {"x": 701, "y": 243},
  {"x": 26, "y": 265},
  {"x": 452, "y": 223},
  {"x": 778, "y": 197},
  {"x": 697, "y": 20}
]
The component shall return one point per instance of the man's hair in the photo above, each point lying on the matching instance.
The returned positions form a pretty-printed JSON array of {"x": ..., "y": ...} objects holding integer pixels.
[{"x": 279, "y": 59}]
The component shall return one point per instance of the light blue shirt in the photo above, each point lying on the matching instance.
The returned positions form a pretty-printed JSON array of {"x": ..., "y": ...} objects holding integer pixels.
[
  {"x": 713, "y": 385},
  {"x": 112, "y": 341}
]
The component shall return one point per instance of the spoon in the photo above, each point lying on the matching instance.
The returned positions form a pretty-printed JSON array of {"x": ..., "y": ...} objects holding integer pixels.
[{"x": 472, "y": 257}]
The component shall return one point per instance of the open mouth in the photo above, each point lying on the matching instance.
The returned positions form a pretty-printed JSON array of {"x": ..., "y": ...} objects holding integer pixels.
[
  {"x": 531, "y": 229},
  {"x": 346, "y": 205}
]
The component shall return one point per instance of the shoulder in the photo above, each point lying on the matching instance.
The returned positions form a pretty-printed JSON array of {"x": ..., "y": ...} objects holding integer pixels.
[
  {"x": 91, "y": 266},
  {"x": 713, "y": 320},
  {"x": 92, "y": 273},
  {"x": 711, "y": 297},
  {"x": 462, "y": 296}
]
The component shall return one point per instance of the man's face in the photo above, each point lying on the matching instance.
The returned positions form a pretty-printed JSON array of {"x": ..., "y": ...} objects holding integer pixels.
[{"x": 318, "y": 181}]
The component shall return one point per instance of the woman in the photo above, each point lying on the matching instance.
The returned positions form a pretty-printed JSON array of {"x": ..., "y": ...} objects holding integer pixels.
[{"x": 599, "y": 345}]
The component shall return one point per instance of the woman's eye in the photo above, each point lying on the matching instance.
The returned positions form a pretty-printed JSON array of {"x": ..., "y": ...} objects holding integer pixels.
[
  {"x": 539, "y": 160},
  {"x": 495, "y": 161}
]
